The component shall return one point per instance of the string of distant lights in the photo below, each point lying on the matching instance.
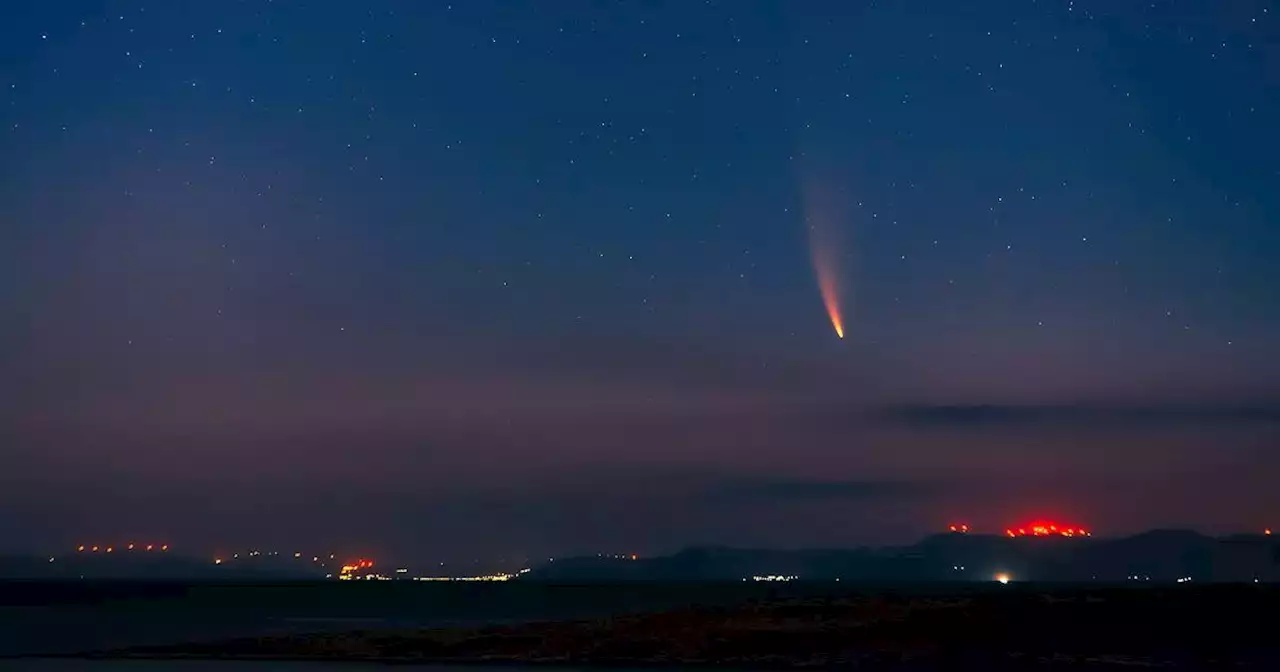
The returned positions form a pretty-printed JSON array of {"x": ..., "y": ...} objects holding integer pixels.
[
  {"x": 86, "y": 548},
  {"x": 1043, "y": 528},
  {"x": 362, "y": 568},
  {"x": 1038, "y": 528},
  {"x": 1047, "y": 530}
]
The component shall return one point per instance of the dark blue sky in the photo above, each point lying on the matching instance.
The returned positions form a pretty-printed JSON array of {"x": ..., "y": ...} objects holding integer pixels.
[{"x": 478, "y": 278}]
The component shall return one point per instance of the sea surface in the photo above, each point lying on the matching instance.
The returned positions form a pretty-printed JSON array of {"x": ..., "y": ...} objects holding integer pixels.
[
  {"x": 78, "y": 617},
  {"x": 53, "y": 665}
]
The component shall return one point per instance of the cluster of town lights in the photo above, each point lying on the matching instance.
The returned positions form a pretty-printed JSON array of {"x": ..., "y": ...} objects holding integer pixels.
[
  {"x": 352, "y": 570},
  {"x": 1047, "y": 530},
  {"x": 1035, "y": 529},
  {"x": 484, "y": 577}
]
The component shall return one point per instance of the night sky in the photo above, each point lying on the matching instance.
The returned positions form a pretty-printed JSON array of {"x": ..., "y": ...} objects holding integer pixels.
[{"x": 492, "y": 278}]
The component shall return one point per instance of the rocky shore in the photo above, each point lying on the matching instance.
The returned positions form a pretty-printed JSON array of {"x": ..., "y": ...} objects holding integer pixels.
[{"x": 1014, "y": 627}]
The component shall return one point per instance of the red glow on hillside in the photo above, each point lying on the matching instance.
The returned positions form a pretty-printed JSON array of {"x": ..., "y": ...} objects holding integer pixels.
[
  {"x": 1044, "y": 528},
  {"x": 357, "y": 565}
]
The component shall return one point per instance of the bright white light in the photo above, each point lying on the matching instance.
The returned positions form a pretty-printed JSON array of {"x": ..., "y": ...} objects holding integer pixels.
[{"x": 1002, "y": 578}]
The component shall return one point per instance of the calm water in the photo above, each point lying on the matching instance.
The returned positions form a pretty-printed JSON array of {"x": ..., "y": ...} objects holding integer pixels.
[
  {"x": 44, "y": 621},
  {"x": 215, "y": 666}
]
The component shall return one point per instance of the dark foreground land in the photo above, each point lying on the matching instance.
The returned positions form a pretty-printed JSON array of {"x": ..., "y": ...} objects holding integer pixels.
[{"x": 999, "y": 628}]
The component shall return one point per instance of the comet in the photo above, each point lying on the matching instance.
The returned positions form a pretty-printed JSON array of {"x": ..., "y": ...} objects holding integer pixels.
[
  {"x": 824, "y": 254},
  {"x": 830, "y": 293}
]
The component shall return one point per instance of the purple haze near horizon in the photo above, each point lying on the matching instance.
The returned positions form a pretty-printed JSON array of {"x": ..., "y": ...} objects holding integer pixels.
[{"x": 491, "y": 279}]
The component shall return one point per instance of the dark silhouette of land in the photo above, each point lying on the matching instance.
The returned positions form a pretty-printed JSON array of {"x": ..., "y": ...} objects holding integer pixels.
[
  {"x": 1156, "y": 556},
  {"x": 1176, "y": 599},
  {"x": 125, "y": 566}
]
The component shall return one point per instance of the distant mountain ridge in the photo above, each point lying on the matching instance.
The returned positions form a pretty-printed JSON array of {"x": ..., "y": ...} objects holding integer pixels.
[
  {"x": 149, "y": 566},
  {"x": 1155, "y": 556}
]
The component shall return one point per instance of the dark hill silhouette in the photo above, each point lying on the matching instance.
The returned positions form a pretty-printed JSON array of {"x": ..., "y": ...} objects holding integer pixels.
[
  {"x": 126, "y": 566},
  {"x": 1158, "y": 555}
]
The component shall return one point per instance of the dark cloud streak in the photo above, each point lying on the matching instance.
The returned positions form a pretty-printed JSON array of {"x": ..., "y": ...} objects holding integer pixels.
[
  {"x": 1087, "y": 417},
  {"x": 792, "y": 489}
]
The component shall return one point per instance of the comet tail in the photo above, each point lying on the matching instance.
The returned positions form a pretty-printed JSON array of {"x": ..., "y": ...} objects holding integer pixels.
[
  {"x": 824, "y": 253},
  {"x": 830, "y": 296}
]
